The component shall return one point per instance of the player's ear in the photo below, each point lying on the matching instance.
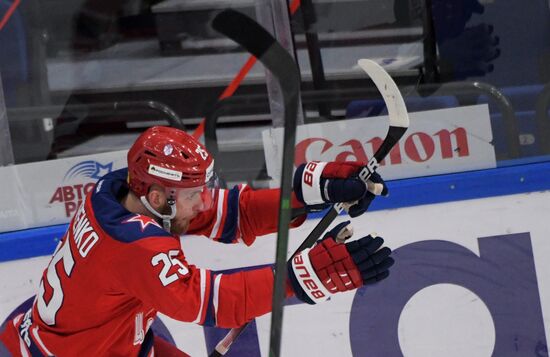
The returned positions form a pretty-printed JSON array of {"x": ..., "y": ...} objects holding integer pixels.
[{"x": 156, "y": 196}]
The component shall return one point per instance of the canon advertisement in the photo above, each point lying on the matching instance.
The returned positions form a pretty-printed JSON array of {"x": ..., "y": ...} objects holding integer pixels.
[{"x": 437, "y": 142}]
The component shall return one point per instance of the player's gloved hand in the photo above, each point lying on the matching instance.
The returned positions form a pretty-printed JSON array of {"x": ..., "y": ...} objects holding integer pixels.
[
  {"x": 317, "y": 184},
  {"x": 330, "y": 267}
]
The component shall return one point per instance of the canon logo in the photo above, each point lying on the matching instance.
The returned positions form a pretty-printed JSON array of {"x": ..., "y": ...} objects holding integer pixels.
[{"x": 417, "y": 146}]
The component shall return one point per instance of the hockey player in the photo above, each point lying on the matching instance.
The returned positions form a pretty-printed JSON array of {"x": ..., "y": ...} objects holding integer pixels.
[{"x": 120, "y": 261}]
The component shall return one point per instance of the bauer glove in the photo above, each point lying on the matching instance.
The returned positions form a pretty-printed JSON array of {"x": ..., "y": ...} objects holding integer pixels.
[
  {"x": 317, "y": 184},
  {"x": 330, "y": 267}
]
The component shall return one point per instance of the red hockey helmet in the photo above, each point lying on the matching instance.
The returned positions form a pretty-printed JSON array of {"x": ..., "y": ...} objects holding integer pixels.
[{"x": 169, "y": 157}]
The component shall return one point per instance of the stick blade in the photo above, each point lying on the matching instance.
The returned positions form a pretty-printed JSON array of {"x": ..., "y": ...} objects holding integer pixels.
[{"x": 397, "y": 109}]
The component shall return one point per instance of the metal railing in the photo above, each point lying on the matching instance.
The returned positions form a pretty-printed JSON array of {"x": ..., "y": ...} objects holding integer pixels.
[
  {"x": 95, "y": 110},
  {"x": 55, "y": 121},
  {"x": 542, "y": 120}
]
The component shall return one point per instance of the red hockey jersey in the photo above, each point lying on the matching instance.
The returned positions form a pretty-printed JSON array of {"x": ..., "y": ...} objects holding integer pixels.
[{"x": 114, "y": 270}]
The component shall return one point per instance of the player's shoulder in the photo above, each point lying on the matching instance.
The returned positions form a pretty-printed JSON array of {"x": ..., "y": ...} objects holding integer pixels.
[
  {"x": 135, "y": 227},
  {"x": 114, "y": 219}
]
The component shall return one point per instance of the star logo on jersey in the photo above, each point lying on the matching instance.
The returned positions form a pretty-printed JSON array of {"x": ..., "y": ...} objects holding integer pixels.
[{"x": 144, "y": 221}]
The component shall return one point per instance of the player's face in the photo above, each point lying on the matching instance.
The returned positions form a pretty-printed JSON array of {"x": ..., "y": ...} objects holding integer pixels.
[{"x": 189, "y": 203}]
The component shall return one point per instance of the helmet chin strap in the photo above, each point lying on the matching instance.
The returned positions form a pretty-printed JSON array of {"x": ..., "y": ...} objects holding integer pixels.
[{"x": 165, "y": 217}]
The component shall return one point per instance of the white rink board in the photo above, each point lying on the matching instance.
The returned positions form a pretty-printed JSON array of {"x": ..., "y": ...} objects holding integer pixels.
[
  {"x": 47, "y": 193},
  {"x": 440, "y": 320},
  {"x": 437, "y": 142}
]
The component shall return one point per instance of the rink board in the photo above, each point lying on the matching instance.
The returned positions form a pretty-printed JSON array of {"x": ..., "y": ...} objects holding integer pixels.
[
  {"x": 440, "y": 141},
  {"x": 472, "y": 278},
  {"x": 437, "y": 141},
  {"x": 403, "y": 193}
]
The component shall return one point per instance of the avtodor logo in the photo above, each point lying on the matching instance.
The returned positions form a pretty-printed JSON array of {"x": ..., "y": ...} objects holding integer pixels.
[{"x": 77, "y": 182}]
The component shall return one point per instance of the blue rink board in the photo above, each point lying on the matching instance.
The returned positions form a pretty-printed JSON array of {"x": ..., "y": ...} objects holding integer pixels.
[{"x": 505, "y": 180}]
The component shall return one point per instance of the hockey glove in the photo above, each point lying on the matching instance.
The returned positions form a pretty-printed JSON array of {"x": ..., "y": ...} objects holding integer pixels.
[
  {"x": 317, "y": 184},
  {"x": 330, "y": 267}
]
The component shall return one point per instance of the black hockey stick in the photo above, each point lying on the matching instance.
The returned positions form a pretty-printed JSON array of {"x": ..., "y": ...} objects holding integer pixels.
[
  {"x": 399, "y": 123},
  {"x": 256, "y": 40}
]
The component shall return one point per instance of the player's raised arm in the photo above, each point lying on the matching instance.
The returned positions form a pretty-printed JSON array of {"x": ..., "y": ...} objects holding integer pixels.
[{"x": 242, "y": 214}]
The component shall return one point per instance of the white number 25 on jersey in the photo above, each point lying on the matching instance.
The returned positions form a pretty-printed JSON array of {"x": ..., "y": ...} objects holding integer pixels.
[{"x": 168, "y": 261}]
